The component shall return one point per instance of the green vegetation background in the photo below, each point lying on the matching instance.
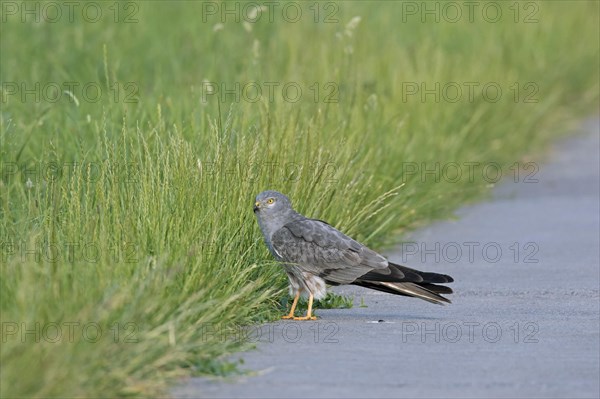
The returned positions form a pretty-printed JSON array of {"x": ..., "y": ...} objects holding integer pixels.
[{"x": 134, "y": 211}]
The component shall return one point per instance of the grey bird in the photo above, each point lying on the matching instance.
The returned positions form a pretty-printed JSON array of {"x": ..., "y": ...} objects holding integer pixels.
[{"x": 314, "y": 254}]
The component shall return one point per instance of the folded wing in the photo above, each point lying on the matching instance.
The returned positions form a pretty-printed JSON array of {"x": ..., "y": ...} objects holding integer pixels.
[{"x": 318, "y": 248}]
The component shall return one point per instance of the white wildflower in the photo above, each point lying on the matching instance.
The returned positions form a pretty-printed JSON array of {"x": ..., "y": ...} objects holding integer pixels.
[
  {"x": 350, "y": 26},
  {"x": 371, "y": 103},
  {"x": 208, "y": 86},
  {"x": 255, "y": 13}
]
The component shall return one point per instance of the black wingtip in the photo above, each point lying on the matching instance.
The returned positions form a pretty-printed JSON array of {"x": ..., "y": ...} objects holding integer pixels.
[{"x": 428, "y": 277}]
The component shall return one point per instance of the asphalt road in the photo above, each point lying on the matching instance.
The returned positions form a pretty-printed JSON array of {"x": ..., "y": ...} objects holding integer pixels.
[{"x": 524, "y": 321}]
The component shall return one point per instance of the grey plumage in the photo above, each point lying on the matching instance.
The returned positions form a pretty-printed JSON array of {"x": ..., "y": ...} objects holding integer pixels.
[{"x": 314, "y": 253}]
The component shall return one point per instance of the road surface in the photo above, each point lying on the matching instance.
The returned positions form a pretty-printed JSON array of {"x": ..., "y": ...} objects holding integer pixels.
[{"x": 524, "y": 321}]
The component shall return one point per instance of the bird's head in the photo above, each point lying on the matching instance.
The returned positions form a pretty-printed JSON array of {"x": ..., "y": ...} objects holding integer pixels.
[{"x": 271, "y": 203}]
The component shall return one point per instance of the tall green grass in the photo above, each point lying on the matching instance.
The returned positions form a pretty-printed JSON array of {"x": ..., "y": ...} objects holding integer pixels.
[{"x": 136, "y": 217}]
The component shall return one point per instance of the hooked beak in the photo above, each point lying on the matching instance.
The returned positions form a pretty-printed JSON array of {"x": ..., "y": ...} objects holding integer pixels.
[{"x": 256, "y": 206}]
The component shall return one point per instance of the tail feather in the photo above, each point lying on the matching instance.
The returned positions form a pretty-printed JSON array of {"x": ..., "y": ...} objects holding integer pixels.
[
  {"x": 438, "y": 289},
  {"x": 405, "y": 289},
  {"x": 402, "y": 280}
]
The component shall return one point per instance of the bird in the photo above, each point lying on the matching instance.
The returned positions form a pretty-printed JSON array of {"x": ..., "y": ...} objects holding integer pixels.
[{"x": 313, "y": 254}]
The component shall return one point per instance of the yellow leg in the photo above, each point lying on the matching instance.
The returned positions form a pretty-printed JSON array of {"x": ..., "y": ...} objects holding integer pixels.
[
  {"x": 291, "y": 314},
  {"x": 309, "y": 311}
]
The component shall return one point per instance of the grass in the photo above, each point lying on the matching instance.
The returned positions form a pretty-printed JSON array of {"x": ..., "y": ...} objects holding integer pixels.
[{"x": 129, "y": 249}]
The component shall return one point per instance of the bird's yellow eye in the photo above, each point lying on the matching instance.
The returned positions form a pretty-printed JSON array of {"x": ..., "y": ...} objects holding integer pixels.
[{"x": 270, "y": 201}]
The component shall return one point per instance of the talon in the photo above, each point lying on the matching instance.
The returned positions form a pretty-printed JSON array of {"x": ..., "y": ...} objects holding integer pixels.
[
  {"x": 306, "y": 318},
  {"x": 309, "y": 311}
]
